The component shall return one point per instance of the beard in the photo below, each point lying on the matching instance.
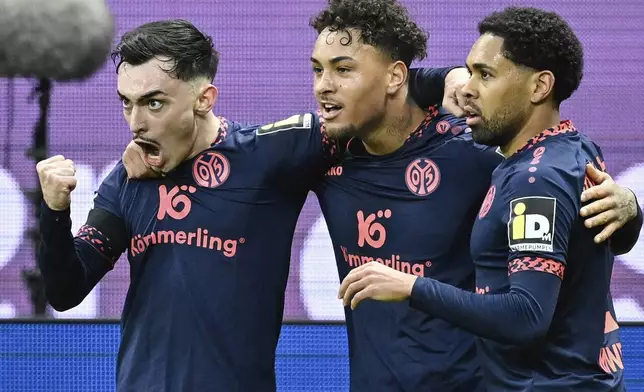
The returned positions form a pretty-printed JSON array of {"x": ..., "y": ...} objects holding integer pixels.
[
  {"x": 500, "y": 129},
  {"x": 340, "y": 132}
]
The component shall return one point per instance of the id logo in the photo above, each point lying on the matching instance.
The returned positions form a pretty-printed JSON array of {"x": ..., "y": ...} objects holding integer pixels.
[{"x": 532, "y": 224}]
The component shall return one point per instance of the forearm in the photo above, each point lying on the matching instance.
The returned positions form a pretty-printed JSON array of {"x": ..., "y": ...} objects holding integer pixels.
[
  {"x": 624, "y": 239},
  {"x": 518, "y": 317},
  {"x": 427, "y": 85},
  {"x": 70, "y": 266}
]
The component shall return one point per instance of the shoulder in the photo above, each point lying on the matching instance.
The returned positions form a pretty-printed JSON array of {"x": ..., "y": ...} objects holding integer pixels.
[
  {"x": 285, "y": 127},
  {"x": 445, "y": 121},
  {"x": 485, "y": 157},
  {"x": 297, "y": 122},
  {"x": 553, "y": 168},
  {"x": 551, "y": 157},
  {"x": 117, "y": 178},
  {"x": 231, "y": 126},
  {"x": 109, "y": 195}
]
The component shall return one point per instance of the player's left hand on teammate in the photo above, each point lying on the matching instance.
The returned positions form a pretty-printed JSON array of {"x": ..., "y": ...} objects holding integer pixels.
[
  {"x": 613, "y": 205},
  {"x": 453, "y": 98},
  {"x": 135, "y": 164},
  {"x": 375, "y": 281}
]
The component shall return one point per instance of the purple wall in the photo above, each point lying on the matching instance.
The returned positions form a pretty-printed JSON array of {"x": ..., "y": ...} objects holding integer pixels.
[{"x": 264, "y": 76}]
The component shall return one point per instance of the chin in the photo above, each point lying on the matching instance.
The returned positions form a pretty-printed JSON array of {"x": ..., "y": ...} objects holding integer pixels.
[
  {"x": 340, "y": 131},
  {"x": 481, "y": 136},
  {"x": 492, "y": 138}
]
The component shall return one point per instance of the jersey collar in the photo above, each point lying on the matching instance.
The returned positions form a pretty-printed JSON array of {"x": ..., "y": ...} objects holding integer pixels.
[{"x": 564, "y": 126}]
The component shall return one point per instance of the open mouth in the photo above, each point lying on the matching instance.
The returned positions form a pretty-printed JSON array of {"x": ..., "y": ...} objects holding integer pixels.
[
  {"x": 473, "y": 116},
  {"x": 472, "y": 120},
  {"x": 330, "y": 111}
]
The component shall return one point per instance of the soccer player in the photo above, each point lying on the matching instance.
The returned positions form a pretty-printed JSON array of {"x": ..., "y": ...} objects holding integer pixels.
[
  {"x": 208, "y": 245},
  {"x": 391, "y": 199},
  {"x": 542, "y": 307}
]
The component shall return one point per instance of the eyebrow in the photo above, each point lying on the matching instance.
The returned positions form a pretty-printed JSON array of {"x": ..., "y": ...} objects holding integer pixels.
[
  {"x": 144, "y": 96},
  {"x": 480, "y": 66},
  {"x": 335, "y": 60}
]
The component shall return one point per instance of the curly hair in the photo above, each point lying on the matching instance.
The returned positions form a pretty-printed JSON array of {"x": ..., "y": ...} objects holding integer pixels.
[
  {"x": 190, "y": 52},
  {"x": 383, "y": 24},
  {"x": 539, "y": 40}
]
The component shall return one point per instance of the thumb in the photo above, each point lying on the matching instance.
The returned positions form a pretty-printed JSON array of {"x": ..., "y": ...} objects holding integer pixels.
[
  {"x": 597, "y": 176},
  {"x": 70, "y": 183}
]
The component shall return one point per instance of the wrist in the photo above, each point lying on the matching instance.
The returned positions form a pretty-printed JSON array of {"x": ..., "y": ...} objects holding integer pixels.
[
  {"x": 633, "y": 207},
  {"x": 409, "y": 284}
]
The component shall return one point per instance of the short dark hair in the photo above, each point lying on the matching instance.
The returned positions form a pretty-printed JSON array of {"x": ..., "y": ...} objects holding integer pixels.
[
  {"x": 383, "y": 24},
  {"x": 540, "y": 40},
  {"x": 191, "y": 52}
]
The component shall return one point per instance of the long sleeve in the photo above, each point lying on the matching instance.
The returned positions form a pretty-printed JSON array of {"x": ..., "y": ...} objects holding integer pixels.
[
  {"x": 517, "y": 317},
  {"x": 72, "y": 266},
  {"x": 624, "y": 239},
  {"x": 427, "y": 85}
]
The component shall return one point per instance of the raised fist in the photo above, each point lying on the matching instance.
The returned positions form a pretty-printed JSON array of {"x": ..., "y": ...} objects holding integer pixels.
[{"x": 57, "y": 181}]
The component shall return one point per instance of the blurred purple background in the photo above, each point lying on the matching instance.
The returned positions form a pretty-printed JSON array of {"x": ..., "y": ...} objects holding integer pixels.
[{"x": 264, "y": 76}]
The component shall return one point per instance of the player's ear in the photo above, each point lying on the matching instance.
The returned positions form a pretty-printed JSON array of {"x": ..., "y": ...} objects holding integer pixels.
[
  {"x": 543, "y": 83},
  {"x": 206, "y": 99},
  {"x": 397, "y": 77}
]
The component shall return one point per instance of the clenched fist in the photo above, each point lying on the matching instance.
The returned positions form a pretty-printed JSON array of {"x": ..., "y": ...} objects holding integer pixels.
[
  {"x": 57, "y": 181},
  {"x": 454, "y": 97}
]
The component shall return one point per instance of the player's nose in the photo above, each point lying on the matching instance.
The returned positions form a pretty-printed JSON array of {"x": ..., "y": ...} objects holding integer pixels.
[
  {"x": 469, "y": 89},
  {"x": 324, "y": 84},
  {"x": 137, "y": 121}
]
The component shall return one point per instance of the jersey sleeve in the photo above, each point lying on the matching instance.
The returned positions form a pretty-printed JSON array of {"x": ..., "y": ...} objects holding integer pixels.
[
  {"x": 624, "y": 239},
  {"x": 299, "y": 144},
  {"x": 105, "y": 228},
  {"x": 72, "y": 266},
  {"x": 543, "y": 207},
  {"x": 488, "y": 158},
  {"x": 427, "y": 85},
  {"x": 108, "y": 195}
]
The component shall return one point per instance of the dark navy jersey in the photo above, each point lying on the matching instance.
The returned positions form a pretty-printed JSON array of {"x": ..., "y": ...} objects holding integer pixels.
[
  {"x": 530, "y": 241},
  {"x": 209, "y": 249},
  {"x": 411, "y": 210}
]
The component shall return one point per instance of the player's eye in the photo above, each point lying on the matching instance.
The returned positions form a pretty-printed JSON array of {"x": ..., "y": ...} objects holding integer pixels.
[
  {"x": 343, "y": 70},
  {"x": 485, "y": 75},
  {"x": 155, "y": 105},
  {"x": 317, "y": 70},
  {"x": 126, "y": 104}
]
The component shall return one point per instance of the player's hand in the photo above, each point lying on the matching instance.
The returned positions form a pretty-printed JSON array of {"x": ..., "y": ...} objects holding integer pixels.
[
  {"x": 453, "y": 97},
  {"x": 376, "y": 281},
  {"x": 57, "y": 181},
  {"x": 613, "y": 205},
  {"x": 135, "y": 165}
]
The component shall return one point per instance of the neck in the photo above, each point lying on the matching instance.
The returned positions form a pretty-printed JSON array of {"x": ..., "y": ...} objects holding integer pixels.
[
  {"x": 542, "y": 118},
  {"x": 400, "y": 120},
  {"x": 207, "y": 130}
]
